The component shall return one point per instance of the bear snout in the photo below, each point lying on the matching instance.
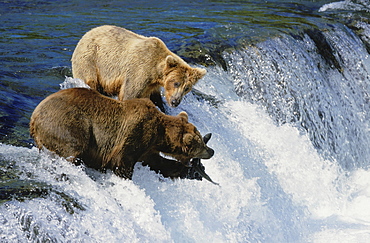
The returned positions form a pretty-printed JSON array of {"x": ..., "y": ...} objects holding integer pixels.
[
  {"x": 175, "y": 102},
  {"x": 207, "y": 154},
  {"x": 211, "y": 152}
]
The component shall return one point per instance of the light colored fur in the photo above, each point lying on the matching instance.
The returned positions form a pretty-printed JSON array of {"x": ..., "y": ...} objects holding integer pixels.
[{"x": 116, "y": 61}]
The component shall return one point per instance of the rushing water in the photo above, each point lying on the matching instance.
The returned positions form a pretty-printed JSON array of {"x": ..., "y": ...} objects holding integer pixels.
[{"x": 286, "y": 96}]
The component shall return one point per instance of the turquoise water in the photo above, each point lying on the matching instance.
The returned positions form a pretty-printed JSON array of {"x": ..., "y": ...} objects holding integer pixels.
[{"x": 289, "y": 113}]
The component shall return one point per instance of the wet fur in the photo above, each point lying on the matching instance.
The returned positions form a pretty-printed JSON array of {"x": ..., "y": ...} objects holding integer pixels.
[{"x": 80, "y": 123}]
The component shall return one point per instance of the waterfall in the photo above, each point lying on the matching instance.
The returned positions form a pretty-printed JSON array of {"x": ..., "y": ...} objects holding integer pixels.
[
  {"x": 319, "y": 82},
  {"x": 289, "y": 114}
]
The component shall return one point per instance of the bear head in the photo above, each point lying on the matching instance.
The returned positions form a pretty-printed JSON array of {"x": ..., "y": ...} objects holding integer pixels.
[
  {"x": 179, "y": 78},
  {"x": 187, "y": 143}
]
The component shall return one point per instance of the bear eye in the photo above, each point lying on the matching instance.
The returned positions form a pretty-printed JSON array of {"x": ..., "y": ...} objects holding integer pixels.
[
  {"x": 187, "y": 89},
  {"x": 176, "y": 84}
]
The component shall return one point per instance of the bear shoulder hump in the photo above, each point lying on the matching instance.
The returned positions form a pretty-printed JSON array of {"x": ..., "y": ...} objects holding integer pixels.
[{"x": 155, "y": 42}]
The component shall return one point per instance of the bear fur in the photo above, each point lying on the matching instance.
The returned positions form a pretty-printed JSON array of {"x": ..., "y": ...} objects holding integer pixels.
[
  {"x": 116, "y": 61},
  {"x": 82, "y": 124}
]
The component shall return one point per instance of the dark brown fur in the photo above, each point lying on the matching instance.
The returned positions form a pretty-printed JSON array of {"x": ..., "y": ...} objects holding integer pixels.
[{"x": 80, "y": 123}]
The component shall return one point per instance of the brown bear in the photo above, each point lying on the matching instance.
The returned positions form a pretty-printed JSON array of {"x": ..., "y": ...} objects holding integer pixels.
[
  {"x": 105, "y": 133},
  {"x": 116, "y": 61}
]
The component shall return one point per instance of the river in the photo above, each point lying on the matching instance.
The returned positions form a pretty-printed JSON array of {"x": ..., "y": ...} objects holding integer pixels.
[{"x": 286, "y": 97}]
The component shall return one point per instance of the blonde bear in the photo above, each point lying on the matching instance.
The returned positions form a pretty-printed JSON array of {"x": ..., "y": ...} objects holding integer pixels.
[{"x": 116, "y": 61}]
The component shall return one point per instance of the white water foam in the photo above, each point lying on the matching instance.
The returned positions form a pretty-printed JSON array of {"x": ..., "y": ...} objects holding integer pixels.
[
  {"x": 336, "y": 202},
  {"x": 274, "y": 187},
  {"x": 360, "y": 5},
  {"x": 70, "y": 82}
]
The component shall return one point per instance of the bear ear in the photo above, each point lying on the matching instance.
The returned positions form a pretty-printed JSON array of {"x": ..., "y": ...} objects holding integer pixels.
[
  {"x": 184, "y": 115},
  {"x": 171, "y": 61},
  {"x": 186, "y": 139},
  {"x": 200, "y": 72}
]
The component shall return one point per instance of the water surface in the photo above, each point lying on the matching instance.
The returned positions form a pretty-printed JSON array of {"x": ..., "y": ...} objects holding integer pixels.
[{"x": 289, "y": 113}]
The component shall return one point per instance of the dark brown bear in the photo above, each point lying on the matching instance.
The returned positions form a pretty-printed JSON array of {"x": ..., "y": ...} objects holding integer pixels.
[{"x": 104, "y": 133}]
